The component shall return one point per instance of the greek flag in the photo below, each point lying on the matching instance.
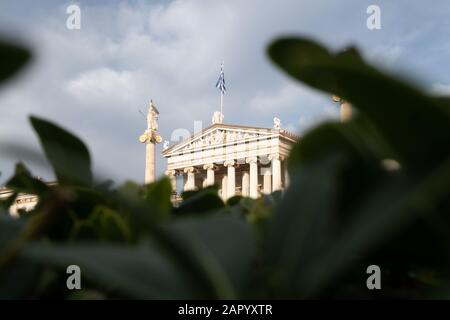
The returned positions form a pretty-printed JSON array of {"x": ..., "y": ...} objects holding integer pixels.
[{"x": 221, "y": 81}]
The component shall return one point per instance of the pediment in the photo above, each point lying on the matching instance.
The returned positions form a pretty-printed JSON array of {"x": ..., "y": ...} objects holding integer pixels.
[{"x": 220, "y": 134}]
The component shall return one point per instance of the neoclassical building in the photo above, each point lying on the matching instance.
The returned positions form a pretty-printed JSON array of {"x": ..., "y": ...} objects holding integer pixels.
[
  {"x": 24, "y": 202},
  {"x": 241, "y": 160}
]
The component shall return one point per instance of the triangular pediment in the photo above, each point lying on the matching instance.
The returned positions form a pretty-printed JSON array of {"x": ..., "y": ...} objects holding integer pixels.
[{"x": 220, "y": 134}]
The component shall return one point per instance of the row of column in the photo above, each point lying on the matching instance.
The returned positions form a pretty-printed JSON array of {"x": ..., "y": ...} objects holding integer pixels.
[{"x": 272, "y": 177}]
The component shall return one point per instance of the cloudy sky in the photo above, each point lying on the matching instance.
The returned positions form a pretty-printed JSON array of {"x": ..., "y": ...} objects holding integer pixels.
[{"x": 95, "y": 80}]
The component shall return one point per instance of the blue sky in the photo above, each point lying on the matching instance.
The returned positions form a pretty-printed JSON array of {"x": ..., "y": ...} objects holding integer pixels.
[{"x": 94, "y": 80}]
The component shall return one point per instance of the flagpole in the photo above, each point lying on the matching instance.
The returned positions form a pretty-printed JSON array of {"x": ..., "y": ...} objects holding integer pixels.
[
  {"x": 221, "y": 105},
  {"x": 221, "y": 97},
  {"x": 221, "y": 86}
]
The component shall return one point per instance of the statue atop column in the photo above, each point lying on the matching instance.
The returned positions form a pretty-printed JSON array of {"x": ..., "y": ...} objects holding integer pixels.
[
  {"x": 152, "y": 117},
  {"x": 150, "y": 137},
  {"x": 151, "y": 134}
]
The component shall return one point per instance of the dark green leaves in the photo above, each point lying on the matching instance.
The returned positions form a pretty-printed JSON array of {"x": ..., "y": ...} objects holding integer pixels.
[
  {"x": 9, "y": 229},
  {"x": 24, "y": 182},
  {"x": 67, "y": 154},
  {"x": 158, "y": 196},
  {"x": 415, "y": 124},
  {"x": 134, "y": 272},
  {"x": 158, "y": 270},
  {"x": 12, "y": 58},
  {"x": 226, "y": 245},
  {"x": 345, "y": 209},
  {"x": 205, "y": 200}
]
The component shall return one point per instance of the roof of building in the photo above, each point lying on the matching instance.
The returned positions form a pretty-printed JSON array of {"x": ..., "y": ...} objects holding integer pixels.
[{"x": 283, "y": 134}]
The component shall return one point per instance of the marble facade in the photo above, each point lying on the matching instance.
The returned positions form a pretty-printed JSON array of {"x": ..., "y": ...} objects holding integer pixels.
[{"x": 241, "y": 160}]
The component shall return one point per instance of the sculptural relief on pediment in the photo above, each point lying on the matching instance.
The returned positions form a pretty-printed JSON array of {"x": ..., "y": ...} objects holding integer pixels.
[{"x": 220, "y": 136}]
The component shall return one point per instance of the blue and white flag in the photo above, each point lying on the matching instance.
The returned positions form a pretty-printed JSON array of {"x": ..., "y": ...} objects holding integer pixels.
[{"x": 221, "y": 82}]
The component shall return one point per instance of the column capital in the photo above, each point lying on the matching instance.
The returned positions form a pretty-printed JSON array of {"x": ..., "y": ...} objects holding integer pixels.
[
  {"x": 229, "y": 163},
  {"x": 189, "y": 170},
  {"x": 251, "y": 160},
  {"x": 172, "y": 172},
  {"x": 275, "y": 156},
  {"x": 209, "y": 166}
]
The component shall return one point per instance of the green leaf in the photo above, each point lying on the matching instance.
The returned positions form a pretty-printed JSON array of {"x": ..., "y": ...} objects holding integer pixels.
[
  {"x": 357, "y": 137},
  {"x": 343, "y": 207},
  {"x": 158, "y": 195},
  {"x": 129, "y": 198},
  {"x": 302, "y": 226},
  {"x": 82, "y": 200},
  {"x": 134, "y": 272},
  {"x": 22, "y": 181},
  {"x": 17, "y": 277},
  {"x": 362, "y": 151},
  {"x": 234, "y": 200},
  {"x": 416, "y": 125},
  {"x": 175, "y": 246},
  {"x": 202, "y": 201},
  {"x": 103, "y": 224},
  {"x": 195, "y": 260},
  {"x": 226, "y": 244},
  {"x": 9, "y": 229},
  {"x": 333, "y": 206},
  {"x": 12, "y": 59},
  {"x": 383, "y": 215},
  {"x": 67, "y": 154}
]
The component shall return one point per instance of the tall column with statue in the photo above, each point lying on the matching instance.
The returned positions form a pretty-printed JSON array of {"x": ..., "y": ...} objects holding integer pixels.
[{"x": 150, "y": 137}]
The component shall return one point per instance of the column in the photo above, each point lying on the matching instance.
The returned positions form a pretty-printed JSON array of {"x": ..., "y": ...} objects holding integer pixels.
[
  {"x": 253, "y": 162},
  {"x": 267, "y": 180},
  {"x": 149, "y": 162},
  {"x": 276, "y": 171},
  {"x": 224, "y": 187},
  {"x": 183, "y": 179},
  {"x": 345, "y": 111},
  {"x": 345, "y": 108},
  {"x": 231, "y": 178},
  {"x": 190, "y": 180},
  {"x": 173, "y": 179},
  {"x": 209, "y": 174},
  {"x": 245, "y": 184}
]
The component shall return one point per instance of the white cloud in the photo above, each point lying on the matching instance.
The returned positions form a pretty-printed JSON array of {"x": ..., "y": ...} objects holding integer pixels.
[
  {"x": 102, "y": 85},
  {"x": 273, "y": 101},
  {"x": 385, "y": 55},
  {"x": 293, "y": 98},
  {"x": 440, "y": 89}
]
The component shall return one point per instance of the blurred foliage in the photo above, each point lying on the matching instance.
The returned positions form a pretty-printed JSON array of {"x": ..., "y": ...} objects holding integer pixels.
[
  {"x": 343, "y": 211},
  {"x": 13, "y": 58}
]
